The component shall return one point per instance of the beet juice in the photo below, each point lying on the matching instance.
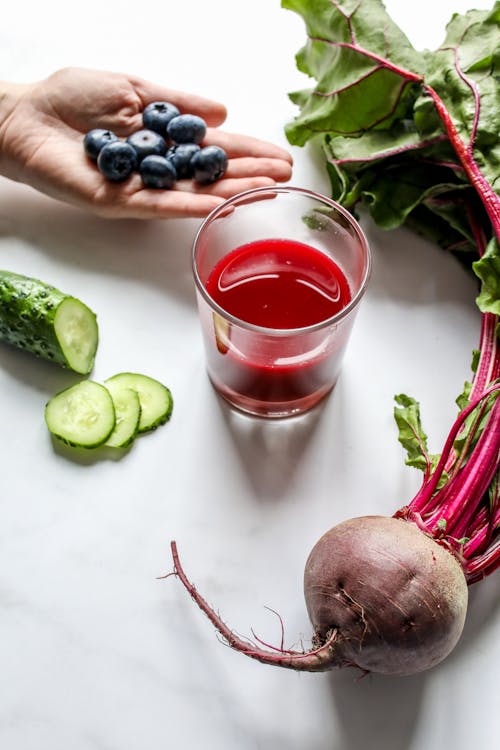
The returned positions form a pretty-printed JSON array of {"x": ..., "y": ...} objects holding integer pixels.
[
  {"x": 283, "y": 287},
  {"x": 278, "y": 284},
  {"x": 279, "y": 273}
]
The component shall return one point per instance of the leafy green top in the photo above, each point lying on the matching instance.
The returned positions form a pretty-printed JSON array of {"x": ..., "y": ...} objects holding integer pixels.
[{"x": 386, "y": 145}]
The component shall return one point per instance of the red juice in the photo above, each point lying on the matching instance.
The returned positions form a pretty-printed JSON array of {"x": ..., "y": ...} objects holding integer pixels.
[
  {"x": 282, "y": 285},
  {"x": 278, "y": 284}
]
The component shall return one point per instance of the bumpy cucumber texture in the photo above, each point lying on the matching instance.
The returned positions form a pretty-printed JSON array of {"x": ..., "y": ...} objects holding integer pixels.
[{"x": 40, "y": 319}]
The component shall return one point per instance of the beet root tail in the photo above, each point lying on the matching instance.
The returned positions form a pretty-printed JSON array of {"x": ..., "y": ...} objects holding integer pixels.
[{"x": 320, "y": 659}]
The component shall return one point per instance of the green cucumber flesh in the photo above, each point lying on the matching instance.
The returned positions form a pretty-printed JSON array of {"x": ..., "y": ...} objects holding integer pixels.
[
  {"x": 40, "y": 319},
  {"x": 82, "y": 416},
  {"x": 76, "y": 330},
  {"x": 155, "y": 398},
  {"x": 127, "y": 414}
]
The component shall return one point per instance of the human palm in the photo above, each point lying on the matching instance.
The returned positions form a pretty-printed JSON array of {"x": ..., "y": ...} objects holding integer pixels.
[{"x": 41, "y": 144}]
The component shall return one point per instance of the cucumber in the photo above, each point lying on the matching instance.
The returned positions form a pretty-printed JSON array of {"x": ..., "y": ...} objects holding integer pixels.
[
  {"x": 91, "y": 414},
  {"x": 39, "y": 318},
  {"x": 82, "y": 416},
  {"x": 127, "y": 415},
  {"x": 155, "y": 398}
]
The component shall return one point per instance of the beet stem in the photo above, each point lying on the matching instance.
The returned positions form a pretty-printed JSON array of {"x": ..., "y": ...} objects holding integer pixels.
[
  {"x": 471, "y": 474},
  {"x": 480, "y": 471},
  {"x": 427, "y": 490}
]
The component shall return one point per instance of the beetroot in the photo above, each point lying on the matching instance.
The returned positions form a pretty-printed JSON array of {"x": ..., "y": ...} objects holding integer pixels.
[
  {"x": 381, "y": 596},
  {"x": 396, "y": 599}
]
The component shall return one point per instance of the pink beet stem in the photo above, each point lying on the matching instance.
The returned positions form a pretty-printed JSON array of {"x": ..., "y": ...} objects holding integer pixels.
[
  {"x": 424, "y": 495},
  {"x": 479, "y": 473}
]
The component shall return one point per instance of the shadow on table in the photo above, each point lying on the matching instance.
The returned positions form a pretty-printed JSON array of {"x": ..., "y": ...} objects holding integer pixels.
[
  {"x": 382, "y": 713},
  {"x": 484, "y": 606},
  {"x": 401, "y": 262},
  {"x": 157, "y": 252},
  {"x": 271, "y": 450},
  {"x": 378, "y": 712}
]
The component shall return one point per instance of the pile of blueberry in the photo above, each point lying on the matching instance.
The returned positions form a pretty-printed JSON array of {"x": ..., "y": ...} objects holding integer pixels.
[{"x": 167, "y": 149}]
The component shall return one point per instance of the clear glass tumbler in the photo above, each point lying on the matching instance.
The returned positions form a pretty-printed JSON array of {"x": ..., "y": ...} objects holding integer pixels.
[{"x": 267, "y": 371}]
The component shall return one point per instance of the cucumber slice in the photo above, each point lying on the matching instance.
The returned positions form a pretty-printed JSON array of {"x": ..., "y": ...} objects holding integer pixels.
[
  {"x": 82, "y": 415},
  {"x": 39, "y": 318},
  {"x": 127, "y": 413},
  {"x": 155, "y": 398}
]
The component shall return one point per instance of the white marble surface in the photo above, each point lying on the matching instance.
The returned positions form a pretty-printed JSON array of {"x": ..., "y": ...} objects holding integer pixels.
[{"x": 96, "y": 653}]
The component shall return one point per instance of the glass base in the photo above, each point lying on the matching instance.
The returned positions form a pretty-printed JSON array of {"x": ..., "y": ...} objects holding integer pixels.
[{"x": 268, "y": 409}]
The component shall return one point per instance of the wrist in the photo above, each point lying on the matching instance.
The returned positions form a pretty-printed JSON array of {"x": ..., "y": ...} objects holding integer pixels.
[{"x": 10, "y": 95}]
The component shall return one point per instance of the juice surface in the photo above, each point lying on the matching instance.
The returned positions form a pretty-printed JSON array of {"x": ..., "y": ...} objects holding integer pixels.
[{"x": 279, "y": 283}]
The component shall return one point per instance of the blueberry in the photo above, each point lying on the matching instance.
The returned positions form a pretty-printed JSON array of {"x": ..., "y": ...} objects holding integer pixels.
[
  {"x": 157, "y": 172},
  {"x": 209, "y": 164},
  {"x": 95, "y": 140},
  {"x": 180, "y": 155},
  {"x": 157, "y": 115},
  {"x": 187, "y": 129},
  {"x": 117, "y": 160},
  {"x": 147, "y": 143}
]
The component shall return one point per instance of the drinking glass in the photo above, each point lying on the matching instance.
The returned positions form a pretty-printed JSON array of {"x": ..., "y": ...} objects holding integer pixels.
[{"x": 266, "y": 371}]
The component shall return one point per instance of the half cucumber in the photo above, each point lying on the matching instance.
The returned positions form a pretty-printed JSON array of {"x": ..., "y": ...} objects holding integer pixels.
[
  {"x": 154, "y": 397},
  {"x": 82, "y": 416},
  {"x": 40, "y": 319}
]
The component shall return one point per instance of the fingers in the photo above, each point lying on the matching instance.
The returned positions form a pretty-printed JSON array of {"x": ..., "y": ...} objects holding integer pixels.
[
  {"x": 228, "y": 187},
  {"x": 166, "y": 204},
  {"x": 236, "y": 145},
  {"x": 186, "y": 200},
  {"x": 245, "y": 166},
  {"x": 190, "y": 199}
]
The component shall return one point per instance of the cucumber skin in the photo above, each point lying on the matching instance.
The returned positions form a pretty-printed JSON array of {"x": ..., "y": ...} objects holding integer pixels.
[
  {"x": 164, "y": 418},
  {"x": 131, "y": 439},
  {"x": 27, "y": 310},
  {"x": 130, "y": 379}
]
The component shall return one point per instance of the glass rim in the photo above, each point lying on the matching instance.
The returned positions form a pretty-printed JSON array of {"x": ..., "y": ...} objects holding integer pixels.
[{"x": 233, "y": 319}]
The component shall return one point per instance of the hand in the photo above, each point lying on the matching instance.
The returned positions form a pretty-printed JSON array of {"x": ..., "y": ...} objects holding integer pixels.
[{"x": 41, "y": 143}]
